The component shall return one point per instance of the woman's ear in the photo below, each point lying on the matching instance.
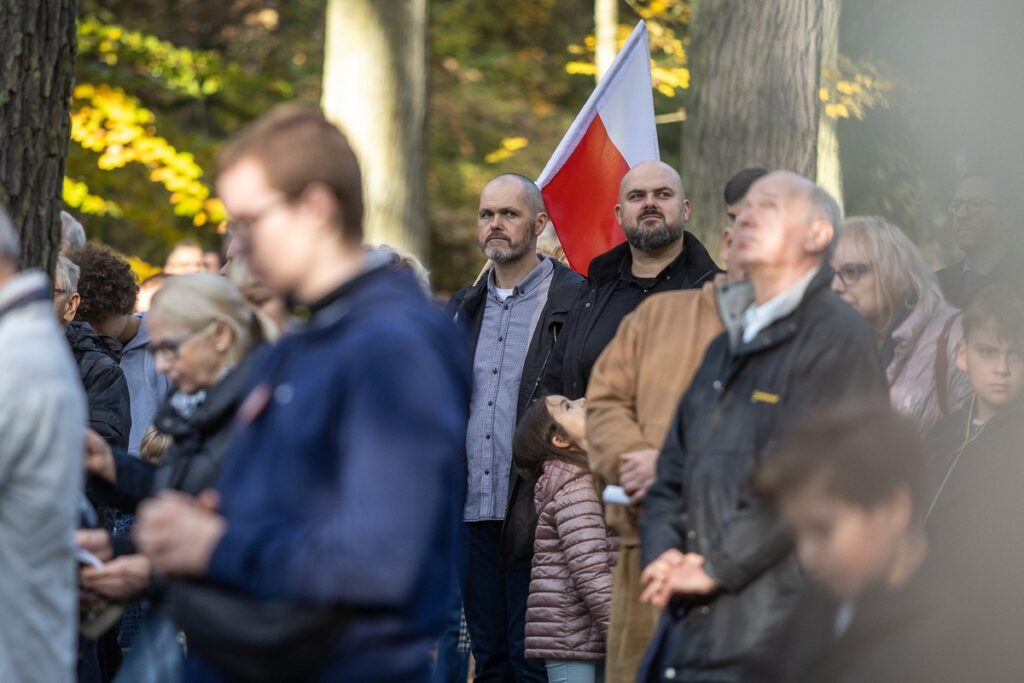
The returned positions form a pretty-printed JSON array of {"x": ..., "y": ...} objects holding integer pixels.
[
  {"x": 961, "y": 355},
  {"x": 223, "y": 337}
]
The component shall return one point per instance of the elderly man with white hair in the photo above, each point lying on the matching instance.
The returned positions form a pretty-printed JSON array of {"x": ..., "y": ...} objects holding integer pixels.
[
  {"x": 42, "y": 436},
  {"x": 712, "y": 547},
  {"x": 72, "y": 233}
]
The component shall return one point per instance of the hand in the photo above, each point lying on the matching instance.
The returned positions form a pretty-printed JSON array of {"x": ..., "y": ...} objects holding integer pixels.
[
  {"x": 120, "y": 579},
  {"x": 637, "y": 471},
  {"x": 658, "y": 570},
  {"x": 96, "y": 541},
  {"x": 687, "y": 578},
  {"x": 99, "y": 459},
  {"x": 179, "y": 533}
]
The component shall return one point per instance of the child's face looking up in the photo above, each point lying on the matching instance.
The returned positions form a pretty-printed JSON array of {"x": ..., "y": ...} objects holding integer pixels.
[
  {"x": 996, "y": 369},
  {"x": 571, "y": 416},
  {"x": 845, "y": 547}
]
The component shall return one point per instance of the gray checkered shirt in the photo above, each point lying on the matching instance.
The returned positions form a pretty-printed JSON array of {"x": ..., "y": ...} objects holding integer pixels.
[{"x": 505, "y": 334}]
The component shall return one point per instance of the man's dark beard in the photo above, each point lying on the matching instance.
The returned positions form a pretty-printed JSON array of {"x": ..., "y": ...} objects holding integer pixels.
[{"x": 653, "y": 239}]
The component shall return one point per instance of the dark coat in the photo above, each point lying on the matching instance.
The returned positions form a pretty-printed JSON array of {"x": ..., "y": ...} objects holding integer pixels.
[
  {"x": 467, "y": 307},
  {"x": 892, "y": 637},
  {"x": 106, "y": 388},
  {"x": 745, "y": 397},
  {"x": 201, "y": 440},
  {"x": 340, "y": 487},
  {"x": 1009, "y": 270},
  {"x": 565, "y": 373}
]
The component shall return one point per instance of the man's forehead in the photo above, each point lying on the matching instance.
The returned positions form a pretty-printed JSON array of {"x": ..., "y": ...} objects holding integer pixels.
[
  {"x": 502, "y": 191},
  {"x": 650, "y": 177}
]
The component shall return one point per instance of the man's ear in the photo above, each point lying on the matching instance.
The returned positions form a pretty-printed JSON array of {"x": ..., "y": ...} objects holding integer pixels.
[
  {"x": 618, "y": 214},
  {"x": 71, "y": 307},
  {"x": 687, "y": 209},
  {"x": 324, "y": 205},
  {"x": 540, "y": 223},
  {"x": 819, "y": 237}
]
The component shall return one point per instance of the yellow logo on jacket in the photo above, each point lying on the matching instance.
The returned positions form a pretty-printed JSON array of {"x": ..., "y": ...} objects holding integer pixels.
[{"x": 764, "y": 397}]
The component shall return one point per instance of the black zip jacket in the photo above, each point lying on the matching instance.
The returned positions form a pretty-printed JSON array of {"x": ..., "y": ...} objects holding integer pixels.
[
  {"x": 467, "y": 307},
  {"x": 567, "y": 373}
]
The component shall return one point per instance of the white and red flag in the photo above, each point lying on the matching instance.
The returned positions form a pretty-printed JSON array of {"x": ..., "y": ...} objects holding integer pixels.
[{"x": 613, "y": 132}]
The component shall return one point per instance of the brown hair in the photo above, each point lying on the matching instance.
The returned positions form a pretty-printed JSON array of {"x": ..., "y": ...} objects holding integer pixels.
[
  {"x": 107, "y": 284},
  {"x": 296, "y": 146},
  {"x": 532, "y": 444},
  {"x": 999, "y": 308},
  {"x": 861, "y": 453}
]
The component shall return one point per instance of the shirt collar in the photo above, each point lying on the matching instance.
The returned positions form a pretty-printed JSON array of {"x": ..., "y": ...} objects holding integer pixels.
[
  {"x": 533, "y": 279},
  {"x": 759, "y": 317}
]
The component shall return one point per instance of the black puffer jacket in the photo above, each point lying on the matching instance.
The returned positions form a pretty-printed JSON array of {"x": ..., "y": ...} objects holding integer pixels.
[
  {"x": 467, "y": 307},
  {"x": 106, "y": 388},
  {"x": 745, "y": 397},
  {"x": 566, "y": 374}
]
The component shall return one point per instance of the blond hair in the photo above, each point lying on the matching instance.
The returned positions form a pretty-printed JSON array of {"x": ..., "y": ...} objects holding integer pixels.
[
  {"x": 197, "y": 300},
  {"x": 902, "y": 276},
  {"x": 154, "y": 445}
]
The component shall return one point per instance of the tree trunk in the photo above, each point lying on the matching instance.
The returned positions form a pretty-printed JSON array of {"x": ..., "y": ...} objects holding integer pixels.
[
  {"x": 754, "y": 99},
  {"x": 606, "y": 25},
  {"x": 375, "y": 89},
  {"x": 830, "y": 175},
  {"x": 36, "y": 74}
]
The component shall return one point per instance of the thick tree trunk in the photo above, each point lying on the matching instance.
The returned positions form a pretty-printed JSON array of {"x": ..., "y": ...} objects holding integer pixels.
[
  {"x": 606, "y": 25},
  {"x": 36, "y": 74},
  {"x": 754, "y": 98},
  {"x": 375, "y": 89},
  {"x": 830, "y": 174}
]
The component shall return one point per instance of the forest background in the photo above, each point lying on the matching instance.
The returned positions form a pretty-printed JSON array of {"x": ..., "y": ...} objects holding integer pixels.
[{"x": 907, "y": 93}]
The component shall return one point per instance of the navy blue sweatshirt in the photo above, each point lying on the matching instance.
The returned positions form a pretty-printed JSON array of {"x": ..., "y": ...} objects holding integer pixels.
[{"x": 343, "y": 486}]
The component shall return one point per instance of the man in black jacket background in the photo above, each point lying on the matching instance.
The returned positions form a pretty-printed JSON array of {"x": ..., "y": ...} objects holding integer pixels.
[
  {"x": 514, "y": 314},
  {"x": 711, "y": 547},
  {"x": 657, "y": 256}
]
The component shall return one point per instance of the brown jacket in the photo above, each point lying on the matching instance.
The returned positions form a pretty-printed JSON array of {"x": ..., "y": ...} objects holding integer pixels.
[
  {"x": 570, "y": 599},
  {"x": 638, "y": 381}
]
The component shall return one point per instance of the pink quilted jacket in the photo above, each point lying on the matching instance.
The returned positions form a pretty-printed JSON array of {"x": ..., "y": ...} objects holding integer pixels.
[{"x": 571, "y": 581}]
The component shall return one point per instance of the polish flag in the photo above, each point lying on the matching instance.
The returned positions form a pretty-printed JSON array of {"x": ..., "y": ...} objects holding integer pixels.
[{"x": 613, "y": 132}]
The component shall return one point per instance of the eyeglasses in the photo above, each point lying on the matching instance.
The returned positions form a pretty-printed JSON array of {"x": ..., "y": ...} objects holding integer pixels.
[
  {"x": 851, "y": 273},
  {"x": 171, "y": 348},
  {"x": 59, "y": 292},
  {"x": 242, "y": 227},
  {"x": 973, "y": 206}
]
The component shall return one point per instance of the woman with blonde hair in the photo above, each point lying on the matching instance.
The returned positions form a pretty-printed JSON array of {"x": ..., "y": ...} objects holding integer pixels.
[
  {"x": 883, "y": 275},
  {"x": 202, "y": 336}
]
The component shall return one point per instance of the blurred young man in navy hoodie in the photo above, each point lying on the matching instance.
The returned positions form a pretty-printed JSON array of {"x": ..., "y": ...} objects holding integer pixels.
[{"x": 343, "y": 485}]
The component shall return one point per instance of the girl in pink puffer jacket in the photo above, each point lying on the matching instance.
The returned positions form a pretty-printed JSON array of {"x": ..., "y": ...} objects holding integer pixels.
[{"x": 571, "y": 580}]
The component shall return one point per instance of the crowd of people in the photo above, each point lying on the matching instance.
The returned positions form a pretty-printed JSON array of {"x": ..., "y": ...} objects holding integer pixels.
[{"x": 799, "y": 461}]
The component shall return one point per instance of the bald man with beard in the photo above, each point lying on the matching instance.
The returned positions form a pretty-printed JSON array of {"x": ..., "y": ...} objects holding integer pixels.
[{"x": 659, "y": 255}]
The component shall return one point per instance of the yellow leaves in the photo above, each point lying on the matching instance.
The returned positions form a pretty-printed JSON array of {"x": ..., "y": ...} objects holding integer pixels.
[
  {"x": 76, "y": 195},
  {"x": 837, "y": 111},
  {"x": 849, "y": 89},
  {"x": 665, "y": 22},
  {"x": 581, "y": 68},
  {"x": 508, "y": 149},
  {"x": 114, "y": 124},
  {"x": 141, "y": 268}
]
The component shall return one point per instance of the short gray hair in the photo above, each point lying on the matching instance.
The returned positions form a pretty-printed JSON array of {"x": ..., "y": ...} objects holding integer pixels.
[
  {"x": 531, "y": 193},
  {"x": 9, "y": 244},
  {"x": 67, "y": 275},
  {"x": 824, "y": 205},
  {"x": 72, "y": 233}
]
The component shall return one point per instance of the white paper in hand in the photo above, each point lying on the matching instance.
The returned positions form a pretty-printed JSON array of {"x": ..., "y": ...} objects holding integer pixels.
[
  {"x": 615, "y": 495},
  {"x": 87, "y": 558}
]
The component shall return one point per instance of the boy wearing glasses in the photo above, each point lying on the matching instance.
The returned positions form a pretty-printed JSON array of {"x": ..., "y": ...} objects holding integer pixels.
[{"x": 980, "y": 230}]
